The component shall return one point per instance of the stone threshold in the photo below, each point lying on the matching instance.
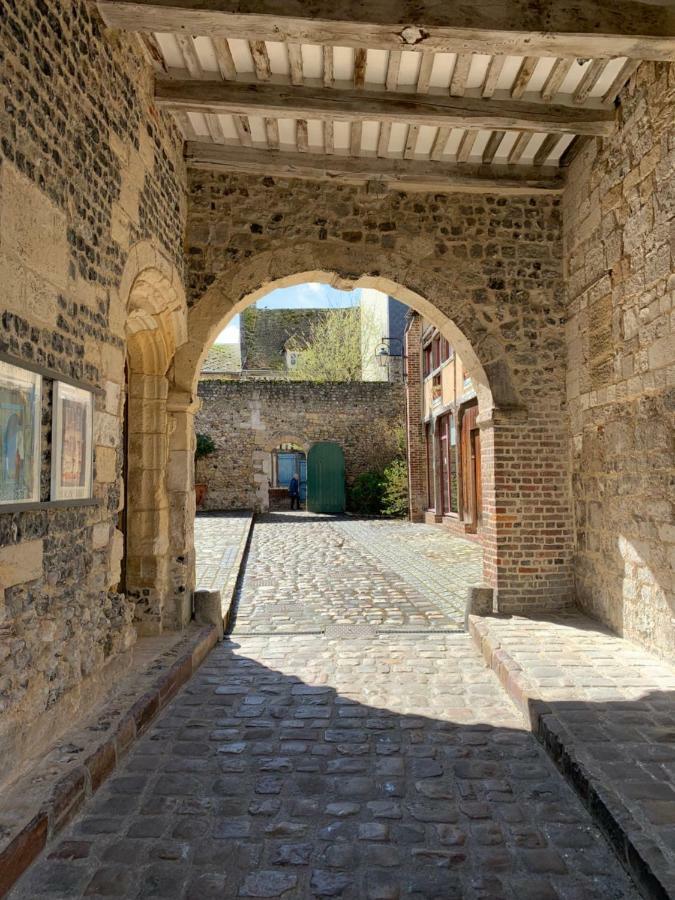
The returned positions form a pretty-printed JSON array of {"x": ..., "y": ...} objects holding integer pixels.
[
  {"x": 41, "y": 802},
  {"x": 610, "y": 814}
]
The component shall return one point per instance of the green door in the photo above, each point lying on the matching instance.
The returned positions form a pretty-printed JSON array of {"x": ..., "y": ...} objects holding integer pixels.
[{"x": 326, "y": 478}]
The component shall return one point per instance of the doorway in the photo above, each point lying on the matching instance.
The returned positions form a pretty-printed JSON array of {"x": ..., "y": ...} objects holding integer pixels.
[
  {"x": 470, "y": 463},
  {"x": 287, "y": 460}
]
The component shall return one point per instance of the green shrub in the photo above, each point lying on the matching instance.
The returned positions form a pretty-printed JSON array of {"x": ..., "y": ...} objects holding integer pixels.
[
  {"x": 205, "y": 446},
  {"x": 364, "y": 495},
  {"x": 395, "y": 489}
]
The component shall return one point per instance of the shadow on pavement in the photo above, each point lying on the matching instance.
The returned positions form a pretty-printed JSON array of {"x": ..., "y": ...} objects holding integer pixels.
[{"x": 257, "y": 783}]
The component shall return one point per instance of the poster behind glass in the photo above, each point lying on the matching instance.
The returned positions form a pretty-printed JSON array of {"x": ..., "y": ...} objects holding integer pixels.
[
  {"x": 20, "y": 419},
  {"x": 71, "y": 443}
]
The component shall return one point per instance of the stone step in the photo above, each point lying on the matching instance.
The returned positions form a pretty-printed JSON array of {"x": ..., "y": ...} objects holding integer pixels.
[{"x": 630, "y": 834}]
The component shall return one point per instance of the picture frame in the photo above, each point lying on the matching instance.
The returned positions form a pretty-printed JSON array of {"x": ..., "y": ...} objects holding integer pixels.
[
  {"x": 72, "y": 442},
  {"x": 20, "y": 434}
]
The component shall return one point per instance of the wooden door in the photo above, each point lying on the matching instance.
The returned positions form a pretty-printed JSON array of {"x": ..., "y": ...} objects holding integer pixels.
[{"x": 326, "y": 478}]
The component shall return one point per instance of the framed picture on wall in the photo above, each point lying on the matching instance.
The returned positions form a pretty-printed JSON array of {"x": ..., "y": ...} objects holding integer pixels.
[
  {"x": 20, "y": 423},
  {"x": 72, "y": 442}
]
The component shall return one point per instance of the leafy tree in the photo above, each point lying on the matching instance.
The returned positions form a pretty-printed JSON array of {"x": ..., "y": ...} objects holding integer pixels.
[
  {"x": 395, "y": 489},
  {"x": 332, "y": 352}
]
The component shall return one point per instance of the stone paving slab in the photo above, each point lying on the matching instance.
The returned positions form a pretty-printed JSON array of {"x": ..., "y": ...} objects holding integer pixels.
[
  {"x": 605, "y": 709},
  {"x": 307, "y": 572},
  {"x": 303, "y": 766},
  {"x": 56, "y": 782}
]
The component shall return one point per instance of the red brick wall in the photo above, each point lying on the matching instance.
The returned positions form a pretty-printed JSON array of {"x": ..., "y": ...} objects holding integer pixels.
[{"x": 531, "y": 540}]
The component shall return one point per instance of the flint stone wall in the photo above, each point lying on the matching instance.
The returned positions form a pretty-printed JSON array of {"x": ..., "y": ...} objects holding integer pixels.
[
  {"x": 619, "y": 216},
  {"x": 248, "y": 420},
  {"x": 89, "y": 170}
]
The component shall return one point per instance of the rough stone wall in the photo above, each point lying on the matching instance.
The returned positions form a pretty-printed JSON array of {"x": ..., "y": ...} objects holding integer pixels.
[
  {"x": 490, "y": 265},
  {"x": 248, "y": 420},
  {"x": 619, "y": 243},
  {"x": 88, "y": 169}
]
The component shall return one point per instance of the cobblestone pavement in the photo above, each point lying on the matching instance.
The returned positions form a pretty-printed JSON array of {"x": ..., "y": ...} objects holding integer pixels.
[
  {"x": 308, "y": 766},
  {"x": 615, "y": 705},
  {"x": 218, "y": 539},
  {"x": 307, "y": 573}
]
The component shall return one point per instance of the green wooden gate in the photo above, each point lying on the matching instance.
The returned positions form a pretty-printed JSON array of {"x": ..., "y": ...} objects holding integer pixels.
[{"x": 326, "y": 478}]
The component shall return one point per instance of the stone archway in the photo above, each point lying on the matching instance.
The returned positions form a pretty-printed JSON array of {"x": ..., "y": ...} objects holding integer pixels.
[
  {"x": 523, "y": 454},
  {"x": 156, "y": 324},
  {"x": 393, "y": 274}
]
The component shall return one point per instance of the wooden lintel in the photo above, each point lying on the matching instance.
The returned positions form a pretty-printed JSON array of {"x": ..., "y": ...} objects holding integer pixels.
[
  {"x": 397, "y": 174},
  {"x": 587, "y": 28},
  {"x": 303, "y": 102}
]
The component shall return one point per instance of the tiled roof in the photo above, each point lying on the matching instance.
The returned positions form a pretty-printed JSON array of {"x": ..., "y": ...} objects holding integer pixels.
[
  {"x": 222, "y": 358},
  {"x": 266, "y": 332}
]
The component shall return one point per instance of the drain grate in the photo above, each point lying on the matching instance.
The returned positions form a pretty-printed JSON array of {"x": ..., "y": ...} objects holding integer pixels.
[{"x": 351, "y": 631}]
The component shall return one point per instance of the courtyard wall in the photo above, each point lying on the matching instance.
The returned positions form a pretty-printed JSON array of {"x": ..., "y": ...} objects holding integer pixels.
[
  {"x": 619, "y": 222},
  {"x": 248, "y": 420},
  {"x": 92, "y": 192}
]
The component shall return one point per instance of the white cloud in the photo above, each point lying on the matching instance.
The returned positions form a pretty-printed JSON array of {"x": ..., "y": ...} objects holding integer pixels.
[{"x": 230, "y": 334}]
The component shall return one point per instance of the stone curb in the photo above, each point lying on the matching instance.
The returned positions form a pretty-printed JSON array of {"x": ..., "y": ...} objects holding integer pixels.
[
  {"x": 229, "y": 587},
  {"x": 76, "y": 786},
  {"x": 609, "y": 814}
]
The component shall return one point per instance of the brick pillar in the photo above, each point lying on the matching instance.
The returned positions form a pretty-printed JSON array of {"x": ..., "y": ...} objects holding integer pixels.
[
  {"x": 417, "y": 462},
  {"x": 528, "y": 546}
]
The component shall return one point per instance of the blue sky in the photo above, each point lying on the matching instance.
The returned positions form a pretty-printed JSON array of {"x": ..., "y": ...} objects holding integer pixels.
[{"x": 302, "y": 296}]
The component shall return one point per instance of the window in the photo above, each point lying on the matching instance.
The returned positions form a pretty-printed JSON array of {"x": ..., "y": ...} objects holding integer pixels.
[
  {"x": 436, "y": 351},
  {"x": 446, "y": 350},
  {"x": 427, "y": 359},
  {"x": 447, "y": 463}
]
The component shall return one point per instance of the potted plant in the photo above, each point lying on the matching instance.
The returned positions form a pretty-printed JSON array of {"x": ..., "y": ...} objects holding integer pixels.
[{"x": 204, "y": 447}]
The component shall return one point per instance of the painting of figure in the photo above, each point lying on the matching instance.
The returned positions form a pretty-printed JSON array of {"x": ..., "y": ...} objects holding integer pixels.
[
  {"x": 72, "y": 443},
  {"x": 20, "y": 397}
]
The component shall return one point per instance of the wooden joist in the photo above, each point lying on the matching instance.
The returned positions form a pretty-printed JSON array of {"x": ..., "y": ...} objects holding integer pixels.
[
  {"x": 303, "y": 102},
  {"x": 399, "y": 174},
  {"x": 586, "y": 28}
]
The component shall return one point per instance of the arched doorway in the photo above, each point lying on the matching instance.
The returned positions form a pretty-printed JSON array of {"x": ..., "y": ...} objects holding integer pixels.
[
  {"x": 288, "y": 459},
  {"x": 155, "y": 326}
]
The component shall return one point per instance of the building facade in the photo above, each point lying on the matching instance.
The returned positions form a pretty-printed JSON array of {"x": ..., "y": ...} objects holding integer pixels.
[
  {"x": 120, "y": 266},
  {"x": 444, "y": 448}
]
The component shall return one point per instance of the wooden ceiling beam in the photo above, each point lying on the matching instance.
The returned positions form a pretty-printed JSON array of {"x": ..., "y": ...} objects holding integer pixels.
[
  {"x": 586, "y": 28},
  {"x": 303, "y": 102},
  {"x": 397, "y": 174}
]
